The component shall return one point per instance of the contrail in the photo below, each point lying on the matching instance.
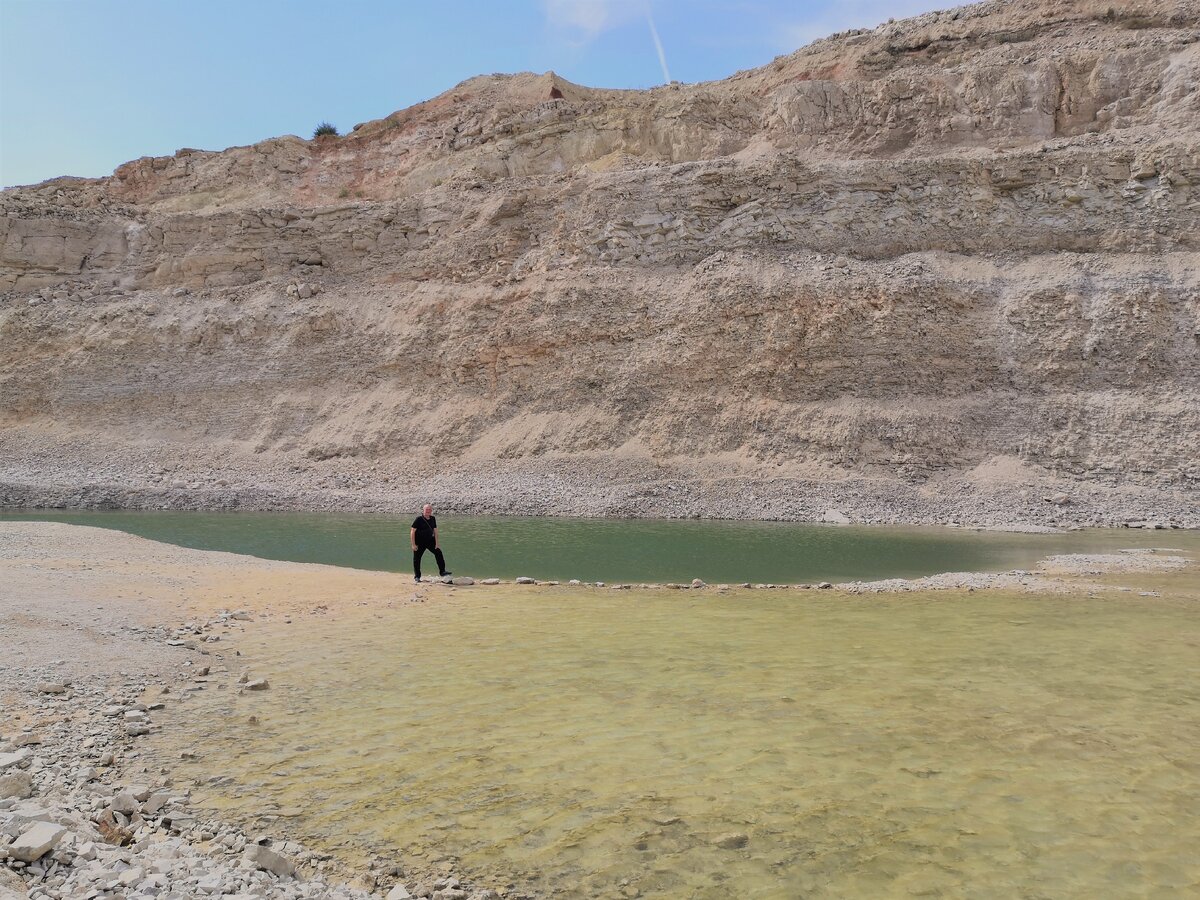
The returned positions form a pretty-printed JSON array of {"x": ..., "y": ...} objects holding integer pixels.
[{"x": 662, "y": 57}]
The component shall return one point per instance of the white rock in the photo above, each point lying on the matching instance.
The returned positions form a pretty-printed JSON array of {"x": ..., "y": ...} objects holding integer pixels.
[
  {"x": 525, "y": 579},
  {"x": 16, "y": 784},
  {"x": 267, "y": 859},
  {"x": 36, "y": 841},
  {"x": 124, "y": 803},
  {"x": 8, "y": 760}
]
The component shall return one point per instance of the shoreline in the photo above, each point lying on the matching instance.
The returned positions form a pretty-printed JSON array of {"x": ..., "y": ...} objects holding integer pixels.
[
  {"x": 115, "y": 627},
  {"x": 55, "y": 471},
  {"x": 812, "y": 503}
]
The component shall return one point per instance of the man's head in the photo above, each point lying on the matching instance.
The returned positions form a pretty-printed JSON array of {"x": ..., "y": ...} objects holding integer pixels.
[{"x": 427, "y": 511}]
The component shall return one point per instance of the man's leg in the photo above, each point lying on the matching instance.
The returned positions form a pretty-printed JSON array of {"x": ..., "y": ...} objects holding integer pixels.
[
  {"x": 441, "y": 561},
  {"x": 417, "y": 562}
]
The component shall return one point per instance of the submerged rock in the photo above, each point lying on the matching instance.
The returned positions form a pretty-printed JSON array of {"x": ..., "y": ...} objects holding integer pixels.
[{"x": 734, "y": 841}]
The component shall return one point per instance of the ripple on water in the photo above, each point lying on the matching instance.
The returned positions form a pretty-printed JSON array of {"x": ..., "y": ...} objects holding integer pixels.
[{"x": 983, "y": 744}]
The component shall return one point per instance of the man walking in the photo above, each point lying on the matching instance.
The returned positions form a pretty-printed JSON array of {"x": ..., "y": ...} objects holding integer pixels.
[{"x": 424, "y": 536}]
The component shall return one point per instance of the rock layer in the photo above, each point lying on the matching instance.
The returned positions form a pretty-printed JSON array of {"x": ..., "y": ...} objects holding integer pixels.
[{"x": 962, "y": 246}]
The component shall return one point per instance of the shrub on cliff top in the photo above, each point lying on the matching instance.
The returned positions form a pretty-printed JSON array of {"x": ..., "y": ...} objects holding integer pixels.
[{"x": 325, "y": 129}]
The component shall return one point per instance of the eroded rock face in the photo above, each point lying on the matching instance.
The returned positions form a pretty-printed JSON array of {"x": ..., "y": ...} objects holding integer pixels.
[{"x": 959, "y": 239}]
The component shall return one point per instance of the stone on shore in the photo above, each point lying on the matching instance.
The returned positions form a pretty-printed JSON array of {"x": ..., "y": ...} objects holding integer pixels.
[
  {"x": 399, "y": 892},
  {"x": 124, "y": 803},
  {"x": 462, "y": 581},
  {"x": 268, "y": 860},
  {"x": 258, "y": 684},
  {"x": 36, "y": 841},
  {"x": 18, "y": 785},
  {"x": 8, "y": 760},
  {"x": 51, "y": 687},
  {"x": 525, "y": 579}
]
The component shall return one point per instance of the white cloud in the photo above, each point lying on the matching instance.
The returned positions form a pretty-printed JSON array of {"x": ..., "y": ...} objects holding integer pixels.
[
  {"x": 579, "y": 21},
  {"x": 588, "y": 18}
]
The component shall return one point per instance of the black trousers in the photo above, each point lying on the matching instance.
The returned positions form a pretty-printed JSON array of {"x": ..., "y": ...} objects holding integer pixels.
[{"x": 437, "y": 554}]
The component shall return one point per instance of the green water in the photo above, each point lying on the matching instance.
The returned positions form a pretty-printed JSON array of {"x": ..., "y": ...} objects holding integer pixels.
[
  {"x": 637, "y": 550},
  {"x": 960, "y": 745}
]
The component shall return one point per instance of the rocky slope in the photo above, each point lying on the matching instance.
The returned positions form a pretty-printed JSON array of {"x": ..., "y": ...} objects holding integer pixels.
[{"x": 941, "y": 269}]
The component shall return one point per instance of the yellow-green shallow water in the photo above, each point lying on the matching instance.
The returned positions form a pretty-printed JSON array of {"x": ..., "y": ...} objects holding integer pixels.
[{"x": 596, "y": 743}]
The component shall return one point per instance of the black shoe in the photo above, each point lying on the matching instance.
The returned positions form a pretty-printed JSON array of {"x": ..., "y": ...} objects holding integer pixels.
[
  {"x": 417, "y": 579},
  {"x": 444, "y": 574}
]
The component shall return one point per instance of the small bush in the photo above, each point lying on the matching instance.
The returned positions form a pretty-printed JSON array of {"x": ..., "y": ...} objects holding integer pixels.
[{"x": 325, "y": 129}]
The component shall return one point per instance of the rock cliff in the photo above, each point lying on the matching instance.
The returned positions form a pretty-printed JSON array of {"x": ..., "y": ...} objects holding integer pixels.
[{"x": 941, "y": 269}]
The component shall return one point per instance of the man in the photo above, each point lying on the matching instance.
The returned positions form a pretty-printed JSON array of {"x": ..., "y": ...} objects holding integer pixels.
[{"x": 424, "y": 536}]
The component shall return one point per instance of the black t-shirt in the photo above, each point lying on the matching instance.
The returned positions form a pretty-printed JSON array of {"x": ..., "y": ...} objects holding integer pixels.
[{"x": 425, "y": 528}]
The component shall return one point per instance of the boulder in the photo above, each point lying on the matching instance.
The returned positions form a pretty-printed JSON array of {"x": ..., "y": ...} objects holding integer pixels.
[
  {"x": 11, "y": 760},
  {"x": 124, "y": 803},
  {"x": 18, "y": 784},
  {"x": 269, "y": 861},
  {"x": 525, "y": 579},
  {"x": 36, "y": 841}
]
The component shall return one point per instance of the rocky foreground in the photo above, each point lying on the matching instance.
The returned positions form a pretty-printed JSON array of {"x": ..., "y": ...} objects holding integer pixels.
[
  {"x": 93, "y": 649},
  {"x": 935, "y": 271},
  {"x": 80, "y": 817}
]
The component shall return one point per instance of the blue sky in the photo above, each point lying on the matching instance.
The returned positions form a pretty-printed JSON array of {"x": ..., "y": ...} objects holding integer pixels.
[{"x": 86, "y": 85}]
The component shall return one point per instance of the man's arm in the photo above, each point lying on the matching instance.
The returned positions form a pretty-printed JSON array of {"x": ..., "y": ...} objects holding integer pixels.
[
  {"x": 412, "y": 538},
  {"x": 436, "y": 545}
]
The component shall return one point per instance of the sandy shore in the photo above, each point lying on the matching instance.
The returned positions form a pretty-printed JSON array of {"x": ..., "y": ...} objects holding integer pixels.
[{"x": 100, "y": 629}]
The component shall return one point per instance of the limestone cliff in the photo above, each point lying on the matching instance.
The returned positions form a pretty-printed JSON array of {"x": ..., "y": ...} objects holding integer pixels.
[{"x": 956, "y": 257}]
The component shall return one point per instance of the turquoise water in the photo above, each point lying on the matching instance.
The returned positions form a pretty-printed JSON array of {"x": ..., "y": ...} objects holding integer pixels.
[{"x": 614, "y": 550}]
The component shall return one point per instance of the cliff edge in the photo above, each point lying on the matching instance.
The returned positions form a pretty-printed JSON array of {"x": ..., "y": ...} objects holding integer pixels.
[{"x": 945, "y": 269}]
